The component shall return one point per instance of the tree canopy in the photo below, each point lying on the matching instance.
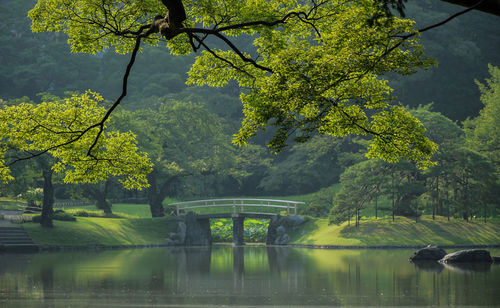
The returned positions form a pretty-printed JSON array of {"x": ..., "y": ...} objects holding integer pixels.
[
  {"x": 56, "y": 127},
  {"x": 313, "y": 67},
  {"x": 483, "y": 132}
]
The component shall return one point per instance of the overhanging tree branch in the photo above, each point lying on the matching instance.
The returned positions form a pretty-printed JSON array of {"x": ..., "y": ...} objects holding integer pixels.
[{"x": 111, "y": 26}]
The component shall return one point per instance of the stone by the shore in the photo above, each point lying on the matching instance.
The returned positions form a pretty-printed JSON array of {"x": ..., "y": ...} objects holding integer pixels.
[
  {"x": 470, "y": 255},
  {"x": 429, "y": 253},
  {"x": 277, "y": 235}
]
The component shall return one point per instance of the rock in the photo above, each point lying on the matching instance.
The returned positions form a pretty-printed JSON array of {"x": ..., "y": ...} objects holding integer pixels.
[
  {"x": 281, "y": 238},
  {"x": 179, "y": 237},
  {"x": 470, "y": 255},
  {"x": 191, "y": 231},
  {"x": 294, "y": 221},
  {"x": 287, "y": 222},
  {"x": 429, "y": 253}
]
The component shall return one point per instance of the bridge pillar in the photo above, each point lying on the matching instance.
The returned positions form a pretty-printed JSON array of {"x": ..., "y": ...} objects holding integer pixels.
[{"x": 238, "y": 230}]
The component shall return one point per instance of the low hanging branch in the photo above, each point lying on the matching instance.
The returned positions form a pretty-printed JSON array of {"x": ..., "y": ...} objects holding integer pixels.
[{"x": 172, "y": 24}]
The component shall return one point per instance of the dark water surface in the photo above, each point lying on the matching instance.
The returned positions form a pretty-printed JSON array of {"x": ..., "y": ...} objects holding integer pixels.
[{"x": 241, "y": 276}]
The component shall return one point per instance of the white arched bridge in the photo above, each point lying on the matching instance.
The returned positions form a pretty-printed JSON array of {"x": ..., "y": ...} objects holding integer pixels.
[{"x": 238, "y": 209}]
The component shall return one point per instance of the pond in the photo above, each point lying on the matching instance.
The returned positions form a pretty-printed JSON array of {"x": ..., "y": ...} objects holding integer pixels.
[{"x": 240, "y": 276}]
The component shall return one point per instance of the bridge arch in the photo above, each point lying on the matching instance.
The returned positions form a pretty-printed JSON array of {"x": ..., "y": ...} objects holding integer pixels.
[{"x": 266, "y": 209}]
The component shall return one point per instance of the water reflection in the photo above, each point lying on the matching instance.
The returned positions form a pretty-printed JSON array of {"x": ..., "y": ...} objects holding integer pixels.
[
  {"x": 429, "y": 266},
  {"x": 469, "y": 267},
  {"x": 252, "y": 276}
]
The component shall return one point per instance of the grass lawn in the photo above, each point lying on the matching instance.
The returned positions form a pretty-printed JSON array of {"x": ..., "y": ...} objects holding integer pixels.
[
  {"x": 87, "y": 231},
  {"x": 129, "y": 209},
  {"x": 403, "y": 231},
  {"x": 140, "y": 229}
]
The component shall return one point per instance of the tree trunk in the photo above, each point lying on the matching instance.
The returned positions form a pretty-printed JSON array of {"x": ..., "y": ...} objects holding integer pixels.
[
  {"x": 438, "y": 208},
  {"x": 156, "y": 206},
  {"x": 48, "y": 200},
  {"x": 447, "y": 205},
  {"x": 393, "y": 197},
  {"x": 158, "y": 192},
  {"x": 101, "y": 196},
  {"x": 484, "y": 211},
  {"x": 103, "y": 204},
  {"x": 155, "y": 197}
]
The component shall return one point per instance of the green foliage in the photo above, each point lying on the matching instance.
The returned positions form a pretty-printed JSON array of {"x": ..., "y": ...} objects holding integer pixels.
[
  {"x": 317, "y": 69},
  {"x": 361, "y": 183},
  {"x": 90, "y": 213},
  {"x": 462, "y": 184},
  {"x": 184, "y": 141},
  {"x": 326, "y": 84},
  {"x": 483, "y": 132},
  {"x": 33, "y": 196},
  {"x": 58, "y": 127},
  {"x": 255, "y": 230},
  {"x": 120, "y": 210},
  {"x": 321, "y": 202},
  {"x": 311, "y": 165},
  {"x": 72, "y": 17},
  {"x": 62, "y": 216}
]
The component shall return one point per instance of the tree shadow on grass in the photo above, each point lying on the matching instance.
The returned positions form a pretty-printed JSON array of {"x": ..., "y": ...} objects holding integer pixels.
[
  {"x": 309, "y": 227},
  {"x": 405, "y": 232}
]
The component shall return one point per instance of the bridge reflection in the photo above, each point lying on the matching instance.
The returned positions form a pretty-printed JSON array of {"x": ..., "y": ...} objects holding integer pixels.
[{"x": 223, "y": 271}]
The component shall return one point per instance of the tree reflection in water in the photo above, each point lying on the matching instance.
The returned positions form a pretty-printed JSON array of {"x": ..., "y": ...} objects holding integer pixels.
[{"x": 244, "y": 275}]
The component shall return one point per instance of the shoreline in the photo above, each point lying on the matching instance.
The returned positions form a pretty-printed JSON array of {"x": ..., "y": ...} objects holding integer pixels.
[{"x": 55, "y": 248}]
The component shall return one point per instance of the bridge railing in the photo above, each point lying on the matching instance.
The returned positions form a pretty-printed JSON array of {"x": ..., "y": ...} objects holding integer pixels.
[{"x": 238, "y": 204}]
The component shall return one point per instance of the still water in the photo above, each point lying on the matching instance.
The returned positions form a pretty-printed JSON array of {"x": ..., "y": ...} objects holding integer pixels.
[{"x": 240, "y": 276}]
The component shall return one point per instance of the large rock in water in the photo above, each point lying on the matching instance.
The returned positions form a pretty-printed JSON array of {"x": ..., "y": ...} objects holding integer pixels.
[
  {"x": 470, "y": 255},
  {"x": 276, "y": 232},
  {"x": 429, "y": 253}
]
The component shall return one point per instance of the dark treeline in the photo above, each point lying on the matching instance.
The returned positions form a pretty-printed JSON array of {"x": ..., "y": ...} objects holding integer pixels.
[{"x": 187, "y": 130}]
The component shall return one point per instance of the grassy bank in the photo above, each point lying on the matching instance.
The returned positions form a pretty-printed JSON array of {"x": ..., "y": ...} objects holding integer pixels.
[
  {"x": 88, "y": 231},
  {"x": 402, "y": 231},
  {"x": 138, "y": 228}
]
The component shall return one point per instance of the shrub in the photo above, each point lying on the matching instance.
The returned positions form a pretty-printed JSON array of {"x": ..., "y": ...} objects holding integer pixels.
[
  {"x": 86, "y": 213},
  {"x": 255, "y": 230},
  {"x": 63, "y": 216},
  {"x": 59, "y": 215}
]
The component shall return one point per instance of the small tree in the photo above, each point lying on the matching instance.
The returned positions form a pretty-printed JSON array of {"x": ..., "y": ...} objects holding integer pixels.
[{"x": 360, "y": 184}]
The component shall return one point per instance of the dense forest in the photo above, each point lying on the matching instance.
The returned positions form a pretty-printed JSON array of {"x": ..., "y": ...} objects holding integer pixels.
[{"x": 186, "y": 130}]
